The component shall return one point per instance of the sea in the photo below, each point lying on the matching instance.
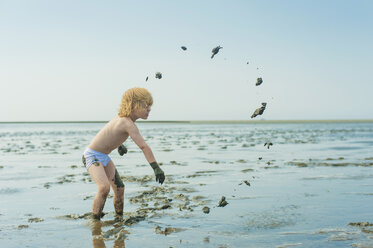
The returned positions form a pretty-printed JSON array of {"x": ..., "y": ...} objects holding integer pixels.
[{"x": 225, "y": 186}]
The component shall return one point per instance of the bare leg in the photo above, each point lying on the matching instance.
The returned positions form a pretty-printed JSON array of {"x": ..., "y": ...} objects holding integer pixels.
[
  {"x": 117, "y": 185},
  {"x": 98, "y": 175}
]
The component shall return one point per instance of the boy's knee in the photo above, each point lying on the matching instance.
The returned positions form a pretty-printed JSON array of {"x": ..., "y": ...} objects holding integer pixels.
[{"x": 104, "y": 190}]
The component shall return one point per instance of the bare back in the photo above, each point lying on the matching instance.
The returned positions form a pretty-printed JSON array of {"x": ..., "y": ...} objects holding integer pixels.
[{"x": 112, "y": 135}]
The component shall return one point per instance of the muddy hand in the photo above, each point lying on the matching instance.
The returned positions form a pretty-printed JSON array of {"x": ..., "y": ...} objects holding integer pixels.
[
  {"x": 122, "y": 150},
  {"x": 159, "y": 174}
]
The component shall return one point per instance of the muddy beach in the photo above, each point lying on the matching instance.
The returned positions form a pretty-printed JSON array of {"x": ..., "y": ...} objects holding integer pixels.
[{"x": 223, "y": 188}]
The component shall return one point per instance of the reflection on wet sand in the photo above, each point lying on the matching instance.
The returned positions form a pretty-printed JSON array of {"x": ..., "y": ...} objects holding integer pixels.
[{"x": 99, "y": 237}]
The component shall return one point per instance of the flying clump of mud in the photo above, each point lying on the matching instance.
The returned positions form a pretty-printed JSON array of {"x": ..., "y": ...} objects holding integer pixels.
[
  {"x": 158, "y": 75},
  {"x": 215, "y": 51},
  {"x": 259, "y": 111},
  {"x": 259, "y": 81}
]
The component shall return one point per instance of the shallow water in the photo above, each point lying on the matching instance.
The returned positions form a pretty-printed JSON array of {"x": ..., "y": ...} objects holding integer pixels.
[{"x": 304, "y": 191}]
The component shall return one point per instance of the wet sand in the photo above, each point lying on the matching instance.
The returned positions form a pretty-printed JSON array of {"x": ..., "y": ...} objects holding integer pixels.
[{"x": 312, "y": 188}]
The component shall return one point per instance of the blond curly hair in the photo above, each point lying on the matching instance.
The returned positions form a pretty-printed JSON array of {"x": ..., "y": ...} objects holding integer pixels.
[{"x": 133, "y": 99}]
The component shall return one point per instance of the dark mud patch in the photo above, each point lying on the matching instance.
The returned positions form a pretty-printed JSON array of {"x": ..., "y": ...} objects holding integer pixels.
[
  {"x": 88, "y": 197},
  {"x": 247, "y": 145},
  {"x": 167, "y": 150},
  {"x": 20, "y": 227},
  {"x": 202, "y": 173},
  {"x": 211, "y": 162},
  {"x": 141, "y": 180},
  {"x": 245, "y": 182},
  {"x": 45, "y": 167},
  {"x": 68, "y": 178},
  {"x": 76, "y": 216},
  {"x": 173, "y": 162},
  {"x": 242, "y": 161},
  {"x": 35, "y": 220},
  {"x": 365, "y": 227},
  {"x": 340, "y": 158},
  {"x": 222, "y": 202},
  {"x": 206, "y": 210},
  {"x": 167, "y": 230},
  {"x": 202, "y": 148},
  {"x": 129, "y": 219},
  {"x": 271, "y": 167},
  {"x": 177, "y": 182},
  {"x": 299, "y": 164},
  {"x": 322, "y": 163},
  {"x": 135, "y": 217},
  {"x": 198, "y": 198}
]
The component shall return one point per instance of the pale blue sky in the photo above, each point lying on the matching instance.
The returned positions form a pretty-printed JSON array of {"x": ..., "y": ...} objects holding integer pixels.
[{"x": 72, "y": 60}]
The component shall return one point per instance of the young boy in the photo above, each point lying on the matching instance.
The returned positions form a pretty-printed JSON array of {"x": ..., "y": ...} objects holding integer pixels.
[{"x": 136, "y": 103}]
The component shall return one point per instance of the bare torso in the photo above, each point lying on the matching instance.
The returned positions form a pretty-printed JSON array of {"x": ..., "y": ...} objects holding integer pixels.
[{"x": 112, "y": 135}]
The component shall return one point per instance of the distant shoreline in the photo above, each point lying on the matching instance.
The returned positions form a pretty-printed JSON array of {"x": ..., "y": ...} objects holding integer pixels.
[{"x": 201, "y": 122}]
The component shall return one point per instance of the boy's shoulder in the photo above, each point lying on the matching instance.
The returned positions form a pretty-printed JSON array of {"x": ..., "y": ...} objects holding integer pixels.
[{"x": 125, "y": 122}]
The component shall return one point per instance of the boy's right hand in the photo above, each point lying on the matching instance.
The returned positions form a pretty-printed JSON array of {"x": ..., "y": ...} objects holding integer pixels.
[
  {"x": 122, "y": 150},
  {"x": 159, "y": 174}
]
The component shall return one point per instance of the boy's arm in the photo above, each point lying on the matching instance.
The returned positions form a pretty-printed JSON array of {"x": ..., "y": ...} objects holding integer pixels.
[{"x": 135, "y": 135}]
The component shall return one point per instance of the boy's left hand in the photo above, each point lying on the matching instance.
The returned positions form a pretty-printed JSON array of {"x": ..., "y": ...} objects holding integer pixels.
[{"x": 159, "y": 175}]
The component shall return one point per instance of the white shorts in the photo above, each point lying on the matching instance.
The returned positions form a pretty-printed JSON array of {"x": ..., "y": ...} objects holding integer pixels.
[{"x": 91, "y": 156}]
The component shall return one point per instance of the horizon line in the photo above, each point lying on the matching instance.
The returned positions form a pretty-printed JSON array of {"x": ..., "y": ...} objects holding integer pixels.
[{"x": 207, "y": 121}]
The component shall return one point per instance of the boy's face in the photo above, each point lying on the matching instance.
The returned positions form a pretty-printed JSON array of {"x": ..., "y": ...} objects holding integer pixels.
[{"x": 143, "y": 111}]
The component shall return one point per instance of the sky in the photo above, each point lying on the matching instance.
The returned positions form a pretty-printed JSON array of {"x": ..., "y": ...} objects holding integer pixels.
[{"x": 72, "y": 60}]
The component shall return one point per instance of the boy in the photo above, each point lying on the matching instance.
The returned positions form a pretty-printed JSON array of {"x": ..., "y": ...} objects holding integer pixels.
[{"x": 136, "y": 103}]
